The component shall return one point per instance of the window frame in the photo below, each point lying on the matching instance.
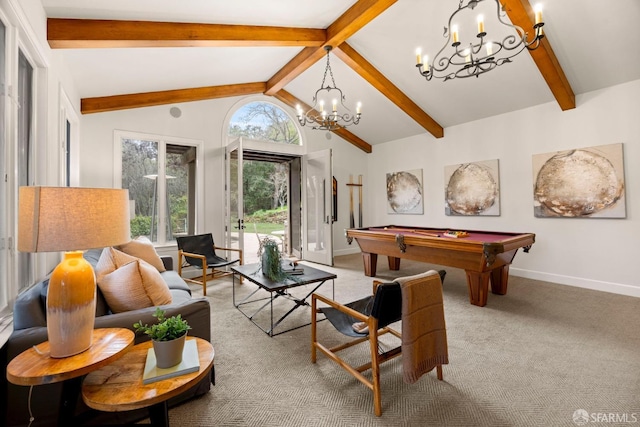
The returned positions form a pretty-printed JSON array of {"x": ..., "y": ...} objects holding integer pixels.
[
  {"x": 274, "y": 147},
  {"x": 21, "y": 39},
  {"x": 6, "y": 293},
  {"x": 163, "y": 140},
  {"x": 69, "y": 141}
]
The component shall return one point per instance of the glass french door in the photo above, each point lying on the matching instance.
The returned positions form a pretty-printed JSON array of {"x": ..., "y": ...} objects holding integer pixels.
[
  {"x": 234, "y": 224},
  {"x": 317, "y": 211}
]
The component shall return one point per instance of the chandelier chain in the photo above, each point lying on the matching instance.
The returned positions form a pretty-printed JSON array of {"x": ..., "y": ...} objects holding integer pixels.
[{"x": 328, "y": 68}]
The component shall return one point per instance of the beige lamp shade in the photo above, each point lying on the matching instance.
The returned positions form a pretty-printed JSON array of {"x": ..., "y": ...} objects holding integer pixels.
[
  {"x": 71, "y": 219},
  {"x": 53, "y": 219}
]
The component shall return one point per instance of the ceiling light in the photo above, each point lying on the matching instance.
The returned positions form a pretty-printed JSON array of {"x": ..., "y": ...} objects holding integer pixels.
[
  {"x": 477, "y": 56},
  {"x": 339, "y": 116}
]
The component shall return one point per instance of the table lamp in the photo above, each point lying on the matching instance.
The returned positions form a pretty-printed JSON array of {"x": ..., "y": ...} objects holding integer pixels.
[{"x": 54, "y": 219}]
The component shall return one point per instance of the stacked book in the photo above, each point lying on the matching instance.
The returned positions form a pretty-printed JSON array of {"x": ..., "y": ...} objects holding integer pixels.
[
  {"x": 190, "y": 363},
  {"x": 292, "y": 268}
]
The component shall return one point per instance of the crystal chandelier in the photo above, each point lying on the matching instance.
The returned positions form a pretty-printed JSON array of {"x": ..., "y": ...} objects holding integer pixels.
[
  {"x": 324, "y": 119},
  {"x": 479, "y": 56}
]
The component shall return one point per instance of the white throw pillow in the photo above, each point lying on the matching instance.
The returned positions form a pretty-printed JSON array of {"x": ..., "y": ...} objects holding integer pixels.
[
  {"x": 133, "y": 286},
  {"x": 110, "y": 260},
  {"x": 141, "y": 247}
]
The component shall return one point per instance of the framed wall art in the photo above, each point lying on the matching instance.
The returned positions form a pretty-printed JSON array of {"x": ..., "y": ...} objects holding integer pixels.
[
  {"x": 472, "y": 189},
  {"x": 404, "y": 192},
  {"x": 580, "y": 183}
]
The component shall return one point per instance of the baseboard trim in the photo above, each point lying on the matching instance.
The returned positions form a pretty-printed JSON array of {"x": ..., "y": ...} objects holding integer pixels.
[
  {"x": 348, "y": 251},
  {"x": 579, "y": 282}
]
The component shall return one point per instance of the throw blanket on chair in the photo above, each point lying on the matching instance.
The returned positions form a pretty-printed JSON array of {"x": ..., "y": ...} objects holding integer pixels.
[{"x": 424, "y": 336}]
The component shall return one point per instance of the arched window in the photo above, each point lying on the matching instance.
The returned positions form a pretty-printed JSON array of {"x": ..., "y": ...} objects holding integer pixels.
[{"x": 263, "y": 121}]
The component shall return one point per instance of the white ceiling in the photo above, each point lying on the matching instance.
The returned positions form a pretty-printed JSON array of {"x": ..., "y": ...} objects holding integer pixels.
[{"x": 597, "y": 43}]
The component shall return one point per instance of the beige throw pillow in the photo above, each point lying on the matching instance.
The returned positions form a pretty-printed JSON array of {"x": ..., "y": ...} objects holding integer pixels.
[
  {"x": 110, "y": 260},
  {"x": 133, "y": 286},
  {"x": 141, "y": 247}
]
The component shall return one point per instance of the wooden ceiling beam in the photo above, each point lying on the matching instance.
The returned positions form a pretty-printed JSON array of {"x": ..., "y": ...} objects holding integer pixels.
[
  {"x": 293, "y": 102},
  {"x": 292, "y": 69},
  {"x": 149, "y": 99},
  {"x": 356, "y": 17},
  {"x": 521, "y": 13},
  {"x": 92, "y": 33},
  {"x": 82, "y": 33},
  {"x": 360, "y": 65}
]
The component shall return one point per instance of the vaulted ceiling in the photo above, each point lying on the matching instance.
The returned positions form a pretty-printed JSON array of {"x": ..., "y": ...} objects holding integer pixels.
[{"x": 125, "y": 54}]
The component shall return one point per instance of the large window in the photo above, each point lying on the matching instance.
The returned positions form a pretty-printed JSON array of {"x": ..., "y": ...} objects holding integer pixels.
[
  {"x": 22, "y": 160},
  {"x": 4, "y": 237},
  {"x": 69, "y": 144},
  {"x": 25, "y": 152},
  {"x": 265, "y": 122},
  {"x": 265, "y": 178},
  {"x": 162, "y": 178}
]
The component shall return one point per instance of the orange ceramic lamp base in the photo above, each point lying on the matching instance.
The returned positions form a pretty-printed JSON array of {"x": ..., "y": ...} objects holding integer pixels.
[{"x": 71, "y": 306}]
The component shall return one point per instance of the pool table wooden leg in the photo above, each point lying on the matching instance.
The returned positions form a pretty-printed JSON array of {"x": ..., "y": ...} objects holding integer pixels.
[
  {"x": 370, "y": 263},
  {"x": 478, "y": 284},
  {"x": 499, "y": 280},
  {"x": 394, "y": 263}
]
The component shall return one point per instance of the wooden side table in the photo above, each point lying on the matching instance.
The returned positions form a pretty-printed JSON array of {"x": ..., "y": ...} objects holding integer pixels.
[
  {"x": 118, "y": 386},
  {"x": 34, "y": 366}
]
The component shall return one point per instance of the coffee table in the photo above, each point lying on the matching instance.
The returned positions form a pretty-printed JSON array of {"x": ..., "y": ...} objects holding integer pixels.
[
  {"x": 118, "y": 386},
  {"x": 34, "y": 366},
  {"x": 253, "y": 274}
]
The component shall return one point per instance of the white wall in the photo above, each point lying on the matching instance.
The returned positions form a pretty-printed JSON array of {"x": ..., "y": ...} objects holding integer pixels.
[
  {"x": 205, "y": 121},
  {"x": 592, "y": 253}
]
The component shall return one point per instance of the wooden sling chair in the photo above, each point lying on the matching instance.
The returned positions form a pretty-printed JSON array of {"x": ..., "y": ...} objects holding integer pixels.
[
  {"x": 369, "y": 318},
  {"x": 199, "y": 251}
]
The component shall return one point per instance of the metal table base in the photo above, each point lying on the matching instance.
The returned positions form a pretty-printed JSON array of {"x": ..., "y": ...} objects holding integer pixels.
[{"x": 276, "y": 291}]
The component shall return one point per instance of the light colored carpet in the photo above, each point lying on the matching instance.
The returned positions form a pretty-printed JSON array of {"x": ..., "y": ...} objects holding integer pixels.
[{"x": 530, "y": 358}]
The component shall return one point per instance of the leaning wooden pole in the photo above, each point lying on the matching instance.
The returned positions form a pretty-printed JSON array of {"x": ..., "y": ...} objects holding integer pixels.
[
  {"x": 352, "y": 221},
  {"x": 359, "y": 201},
  {"x": 351, "y": 218}
]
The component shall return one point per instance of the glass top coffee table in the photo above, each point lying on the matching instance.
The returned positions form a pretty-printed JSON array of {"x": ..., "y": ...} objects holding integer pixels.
[{"x": 252, "y": 273}]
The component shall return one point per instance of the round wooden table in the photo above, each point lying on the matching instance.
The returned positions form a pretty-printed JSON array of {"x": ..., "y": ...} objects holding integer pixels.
[
  {"x": 119, "y": 387},
  {"x": 34, "y": 366}
]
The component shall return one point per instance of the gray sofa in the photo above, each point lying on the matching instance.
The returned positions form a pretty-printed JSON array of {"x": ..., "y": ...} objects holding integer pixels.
[{"x": 30, "y": 329}]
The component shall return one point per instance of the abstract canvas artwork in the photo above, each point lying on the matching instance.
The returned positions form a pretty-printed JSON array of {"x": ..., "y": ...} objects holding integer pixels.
[
  {"x": 404, "y": 192},
  {"x": 472, "y": 188},
  {"x": 580, "y": 183}
]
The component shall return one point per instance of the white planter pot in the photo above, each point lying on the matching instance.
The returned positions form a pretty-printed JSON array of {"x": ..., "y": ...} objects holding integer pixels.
[{"x": 169, "y": 353}]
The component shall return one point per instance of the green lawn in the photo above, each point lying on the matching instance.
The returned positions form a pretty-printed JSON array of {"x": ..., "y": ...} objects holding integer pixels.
[{"x": 262, "y": 227}]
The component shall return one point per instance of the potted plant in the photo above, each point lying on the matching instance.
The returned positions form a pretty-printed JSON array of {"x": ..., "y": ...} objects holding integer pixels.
[
  {"x": 271, "y": 264},
  {"x": 271, "y": 258},
  {"x": 168, "y": 337}
]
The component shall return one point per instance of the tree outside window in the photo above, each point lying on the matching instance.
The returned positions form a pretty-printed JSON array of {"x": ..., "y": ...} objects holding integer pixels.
[
  {"x": 160, "y": 196},
  {"x": 264, "y": 121},
  {"x": 265, "y": 183}
]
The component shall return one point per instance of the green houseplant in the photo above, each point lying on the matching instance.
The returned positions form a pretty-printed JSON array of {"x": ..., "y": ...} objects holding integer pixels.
[
  {"x": 271, "y": 264},
  {"x": 168, "y": 336}
]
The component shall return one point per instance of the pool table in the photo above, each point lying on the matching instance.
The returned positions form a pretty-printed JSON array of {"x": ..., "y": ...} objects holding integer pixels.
[{"x": 484, "y": 255}]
